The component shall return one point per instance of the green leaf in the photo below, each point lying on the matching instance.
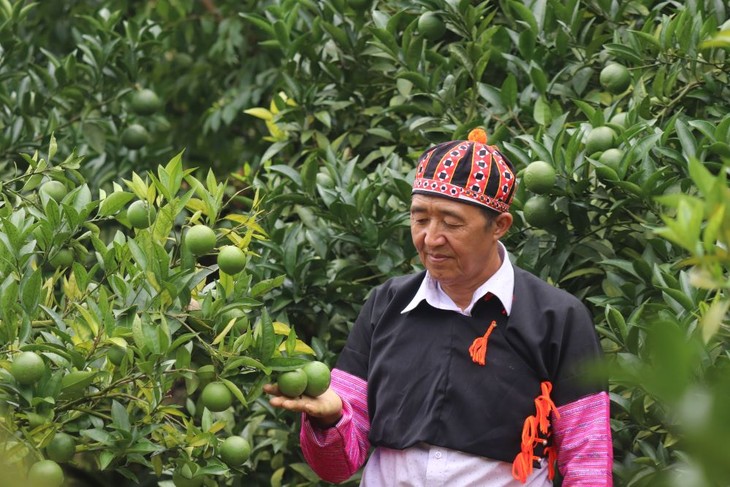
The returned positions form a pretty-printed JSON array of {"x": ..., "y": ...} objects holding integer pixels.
[
  {"x": 120, "y": 417},
  {"x": 235, "y": 391},
  {"x": 114, "y": 202}
]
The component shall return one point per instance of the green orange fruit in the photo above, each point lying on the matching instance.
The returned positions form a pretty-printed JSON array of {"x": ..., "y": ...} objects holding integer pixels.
[
  {"x": 61, "y": 448},
  {"x": 200, "y": 239},
  {"x": 135, "y": 136},
  {"x": 621, "y": 119},
  {"x": 234, "y": 451},
  {"x": 600, "y": 139},
  {"x": 141, "y": 214},
  {"x": 318, "y": 378},
  {"x": 216, "y": 397},
  {"x": 615, "y": 78},
  {"x": 145, "y": 102},
  {"x": 292, "y": 383},
  {"x": 538, "y": 211},
  {"x": 206, "y": 373},
  {"x": 539, "y": 177},
  {"x": 231, "y": 259},
  {"x": 431, "y": 26},
  {"x": 62, "y": 258},
  {"x": 27, "y": 368},
  {"x": 45, "y": 473},
  {"x": 55, "y": 189}
]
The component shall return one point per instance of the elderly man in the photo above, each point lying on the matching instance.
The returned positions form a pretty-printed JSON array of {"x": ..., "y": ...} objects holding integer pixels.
[{"x": 472, "y": 372}]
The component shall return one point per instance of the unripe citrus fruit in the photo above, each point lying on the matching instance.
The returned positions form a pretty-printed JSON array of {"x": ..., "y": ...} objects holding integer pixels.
[
  {"x": 431, "y": 26},
  {"x": 217, "y": 397},
  {"x": 54, "y": 189},
  {"x": 27, "y": 368},
  {"x": 45, "y": 473},
  {"x": 234, "y": 451},
  {"x": 599, "y": 139},
  {"x": 539, "y": 177},
  {"x": 135, "y": 136},
  {"x": 621, "y": 119},
  {"x": 200, "y": 239},
  {"x": 292, "y": 383},
  {"x": 318, "y": 378},
  {"x": 612, "y": 158},
  {"x": 538, "y": 211},
  {"x": 62, "y": 448},
  {"x": 205, "y": 373},
  {"x": 145, "y": 102},
  {"x": 231, "y": 259},
  {"x": 141, "y": 214},
  {"x": 615, "y": 78},
  {"x": 62, "y": 258}
]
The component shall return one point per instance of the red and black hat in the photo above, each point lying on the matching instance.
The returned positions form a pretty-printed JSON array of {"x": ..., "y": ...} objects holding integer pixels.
[{"x": 467, "y": 170}]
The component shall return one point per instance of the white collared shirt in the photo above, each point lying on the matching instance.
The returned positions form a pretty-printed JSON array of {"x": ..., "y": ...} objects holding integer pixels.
[{"x": 501, "y": 285}]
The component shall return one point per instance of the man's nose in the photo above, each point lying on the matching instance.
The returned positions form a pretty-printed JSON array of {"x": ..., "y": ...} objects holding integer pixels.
[{"x": 433, "y": 235}]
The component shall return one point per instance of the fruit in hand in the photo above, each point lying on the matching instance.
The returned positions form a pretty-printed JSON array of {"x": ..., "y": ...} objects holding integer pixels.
[
  {"x": 27, "y": 368},
  {"x": 292, "y": 383},
  {"x": 234, "y": 451},
  {"x": 200, "y": 239},
  {"x": 231, "y": 259},
  {"x": 141, "y": 214},
  {"x": 318, "y": 378},
  {"x": 217, "y": 397}
]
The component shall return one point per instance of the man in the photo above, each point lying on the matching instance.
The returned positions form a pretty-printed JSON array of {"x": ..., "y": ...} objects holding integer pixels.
[{"x": 472, "y": 372}]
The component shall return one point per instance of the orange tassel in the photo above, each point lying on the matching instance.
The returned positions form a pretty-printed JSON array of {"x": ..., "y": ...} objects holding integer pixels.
[
  {"x": 478, "y": 348},
  {"x": 544, "y": 406},
  {"x": 531, "y": 429}
]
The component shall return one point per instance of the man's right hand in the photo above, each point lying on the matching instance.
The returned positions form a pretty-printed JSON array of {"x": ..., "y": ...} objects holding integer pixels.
[{"x": 324, "y": 410}]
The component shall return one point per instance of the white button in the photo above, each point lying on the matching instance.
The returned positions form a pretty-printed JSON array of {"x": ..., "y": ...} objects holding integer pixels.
[{"x": 437, "y": 454}]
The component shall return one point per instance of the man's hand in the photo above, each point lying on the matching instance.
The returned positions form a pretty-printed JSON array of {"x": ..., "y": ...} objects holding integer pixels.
[{"x": 324, "y": 410}]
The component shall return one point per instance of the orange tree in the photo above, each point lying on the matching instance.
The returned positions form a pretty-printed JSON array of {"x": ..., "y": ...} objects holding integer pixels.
[{"x": 131, "y": 357}]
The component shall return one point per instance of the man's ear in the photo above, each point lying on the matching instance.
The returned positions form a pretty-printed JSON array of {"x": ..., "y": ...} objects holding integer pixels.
[{"x": 502, "y": 224}]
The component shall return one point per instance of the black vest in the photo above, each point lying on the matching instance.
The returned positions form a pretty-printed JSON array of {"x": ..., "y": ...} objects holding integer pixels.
[{"x": 424, "y": 387}]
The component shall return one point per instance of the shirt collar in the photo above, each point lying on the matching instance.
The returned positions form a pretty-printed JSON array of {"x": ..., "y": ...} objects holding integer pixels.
[{"x": 501, "y": 285}]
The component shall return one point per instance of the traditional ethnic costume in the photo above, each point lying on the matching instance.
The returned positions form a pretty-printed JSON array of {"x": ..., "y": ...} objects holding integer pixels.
[{"x": 492, "y": 395}]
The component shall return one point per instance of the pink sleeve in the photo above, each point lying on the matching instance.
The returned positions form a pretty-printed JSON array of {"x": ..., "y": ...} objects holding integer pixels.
[
  {"x": 336, "y": 453},
  {"x": 583, "y": 440}
]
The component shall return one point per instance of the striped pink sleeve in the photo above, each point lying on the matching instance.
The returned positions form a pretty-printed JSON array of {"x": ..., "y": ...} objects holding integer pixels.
[
  {"x": 336, "y": 453},
  {"x": 583, "y": 440}
]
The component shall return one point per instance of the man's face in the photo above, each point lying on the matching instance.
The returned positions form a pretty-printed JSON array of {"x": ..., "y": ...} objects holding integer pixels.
[{"x": 454, "y": 241}]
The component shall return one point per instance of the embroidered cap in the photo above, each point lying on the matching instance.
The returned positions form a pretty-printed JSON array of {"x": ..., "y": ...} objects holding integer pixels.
[{"x": 467, "y": 170}]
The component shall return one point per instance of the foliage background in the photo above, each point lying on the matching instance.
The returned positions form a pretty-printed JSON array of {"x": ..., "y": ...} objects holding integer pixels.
[{"x": 323, "y": 107}]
